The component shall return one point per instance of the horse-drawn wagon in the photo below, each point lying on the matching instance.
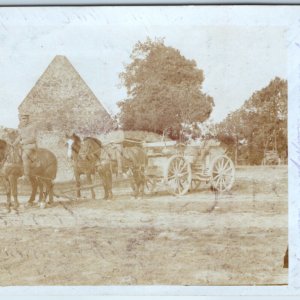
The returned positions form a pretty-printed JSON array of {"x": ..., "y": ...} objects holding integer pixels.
[
  {"x": 174, "y": 166},
  {"x": 182, "y": 167}
]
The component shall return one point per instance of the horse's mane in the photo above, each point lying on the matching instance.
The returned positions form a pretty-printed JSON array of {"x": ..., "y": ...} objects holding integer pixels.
[{"x": 98, "y": 142}]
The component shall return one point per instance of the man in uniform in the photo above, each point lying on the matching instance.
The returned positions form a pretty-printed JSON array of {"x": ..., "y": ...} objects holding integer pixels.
[{"x": 27, "y": 138}]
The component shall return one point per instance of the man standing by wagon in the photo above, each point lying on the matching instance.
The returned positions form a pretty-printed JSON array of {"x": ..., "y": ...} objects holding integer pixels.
[{"x": 27, "y": 138}]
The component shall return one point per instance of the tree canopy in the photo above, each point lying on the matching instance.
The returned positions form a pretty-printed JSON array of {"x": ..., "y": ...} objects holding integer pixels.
[
  {"x": 260, "y": 124},
  {"x": 163, "y": 90}
]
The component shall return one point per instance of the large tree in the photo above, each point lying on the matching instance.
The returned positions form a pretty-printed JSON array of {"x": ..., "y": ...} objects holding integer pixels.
[
  {"x": 260, "y": 124},
  {"x": 163, "y": 88}
]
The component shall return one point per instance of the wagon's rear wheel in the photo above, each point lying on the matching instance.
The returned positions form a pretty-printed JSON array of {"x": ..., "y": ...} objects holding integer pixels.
[
  {"x": 178, "y": 175},
  {"x": 222, "y": 173}
]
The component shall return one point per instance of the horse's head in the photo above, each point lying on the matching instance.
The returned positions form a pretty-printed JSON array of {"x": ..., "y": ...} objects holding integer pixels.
[
  {"x": 90, "y": 149},
  {"x": 73, "y": 146}
]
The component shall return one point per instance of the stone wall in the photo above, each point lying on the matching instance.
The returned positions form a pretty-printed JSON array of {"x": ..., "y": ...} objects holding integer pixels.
[{"x": 61, "y": 100}]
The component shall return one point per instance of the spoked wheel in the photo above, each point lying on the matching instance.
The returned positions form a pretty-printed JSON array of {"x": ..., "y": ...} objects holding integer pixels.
[
  {"x": 178, "y": 175},
  {"x": 222, "y": 173}
]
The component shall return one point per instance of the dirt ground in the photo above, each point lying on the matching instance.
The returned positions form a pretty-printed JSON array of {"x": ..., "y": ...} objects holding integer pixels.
[{"x": 237, "y": 238}]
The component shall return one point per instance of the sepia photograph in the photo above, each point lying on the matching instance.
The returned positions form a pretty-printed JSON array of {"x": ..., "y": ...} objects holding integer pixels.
[{"x": 143, "y": 146}]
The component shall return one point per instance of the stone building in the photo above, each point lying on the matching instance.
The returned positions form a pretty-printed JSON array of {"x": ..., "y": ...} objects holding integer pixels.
[
  {"x": 61, "y": 100},
  {"x": 61, "y": 103}
]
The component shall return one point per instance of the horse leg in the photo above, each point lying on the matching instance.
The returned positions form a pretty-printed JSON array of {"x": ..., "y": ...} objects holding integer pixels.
[
  {"x": 46, "y": 193},
  {"x": 89, "y": 180},
  {"x": 77, "y": 178},
  {"x": 143, "y": 182},
  {"x": 50, "y": 190},
  {"x": 44, "y": 189},
  {"x": 140, "y": 188},
  {"x": 41, "y": 190},
  {"x": 105, "y": 187},
  {"x": 105, "y": 173},
  {"x": 14, "y": 190},
  {"x": 8, "y": 193},
  {"x": 134, "y": 187},
  {"x": 140, "y": 181},
  {"x": 103, "y": 177},
  {"x": 136, "y": 181},
  {"x": 101, "y": 174},
  {"x": 108, "y": 181},
  {"x": 34, "y": 185}
]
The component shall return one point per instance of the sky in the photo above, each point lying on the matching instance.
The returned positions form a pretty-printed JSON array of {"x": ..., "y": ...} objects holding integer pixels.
[{"x": 239, "y": 50}]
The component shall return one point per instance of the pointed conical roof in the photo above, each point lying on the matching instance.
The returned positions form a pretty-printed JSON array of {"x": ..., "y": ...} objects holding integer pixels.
[{"x": 61, "y": 90}]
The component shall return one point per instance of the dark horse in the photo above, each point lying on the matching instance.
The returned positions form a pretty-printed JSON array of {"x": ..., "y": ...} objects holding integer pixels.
[
  {"x": 42, "y": 173},
  {"x": 82, "y": 165},
  {"x": 130, "y": 161},
  {"x": 91, "y": 157}
]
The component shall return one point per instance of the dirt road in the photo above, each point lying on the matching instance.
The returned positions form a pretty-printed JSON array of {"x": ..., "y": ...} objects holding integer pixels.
[{"x": 238, "y": 238}]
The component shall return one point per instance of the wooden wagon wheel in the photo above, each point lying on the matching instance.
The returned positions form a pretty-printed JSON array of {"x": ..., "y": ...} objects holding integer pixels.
[
  {"x": 178, "y": 175},
  {"x": 222, "y": 173}
]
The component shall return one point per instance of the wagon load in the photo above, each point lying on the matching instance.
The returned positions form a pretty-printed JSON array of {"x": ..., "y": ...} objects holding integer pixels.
[
  {"x": 195, "y": 151},
  {"x": 128, "y": 137},
  {"x": 178, "y": 166},
  {"x": 157, "y": 153},
  {"x": 169, "y": 164}
]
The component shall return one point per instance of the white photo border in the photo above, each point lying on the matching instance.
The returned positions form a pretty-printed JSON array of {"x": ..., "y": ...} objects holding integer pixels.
[{"x": 251, "y": 15}]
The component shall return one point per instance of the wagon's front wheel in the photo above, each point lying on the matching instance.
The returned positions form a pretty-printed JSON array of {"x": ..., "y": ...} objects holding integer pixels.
[
  {"x": 222, "y": 173},
  {"x": 178, "y": 175}
]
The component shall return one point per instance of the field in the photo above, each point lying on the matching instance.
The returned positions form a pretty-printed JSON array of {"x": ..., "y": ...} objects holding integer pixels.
[{"x": 237, "y": 238}]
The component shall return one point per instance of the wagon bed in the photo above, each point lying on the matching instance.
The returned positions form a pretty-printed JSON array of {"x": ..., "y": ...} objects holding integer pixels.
[{"x": 182, "y": 167}]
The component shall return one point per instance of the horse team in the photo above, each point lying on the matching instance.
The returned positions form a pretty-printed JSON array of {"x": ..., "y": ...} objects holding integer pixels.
[{"x": 89, "y": 157}]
